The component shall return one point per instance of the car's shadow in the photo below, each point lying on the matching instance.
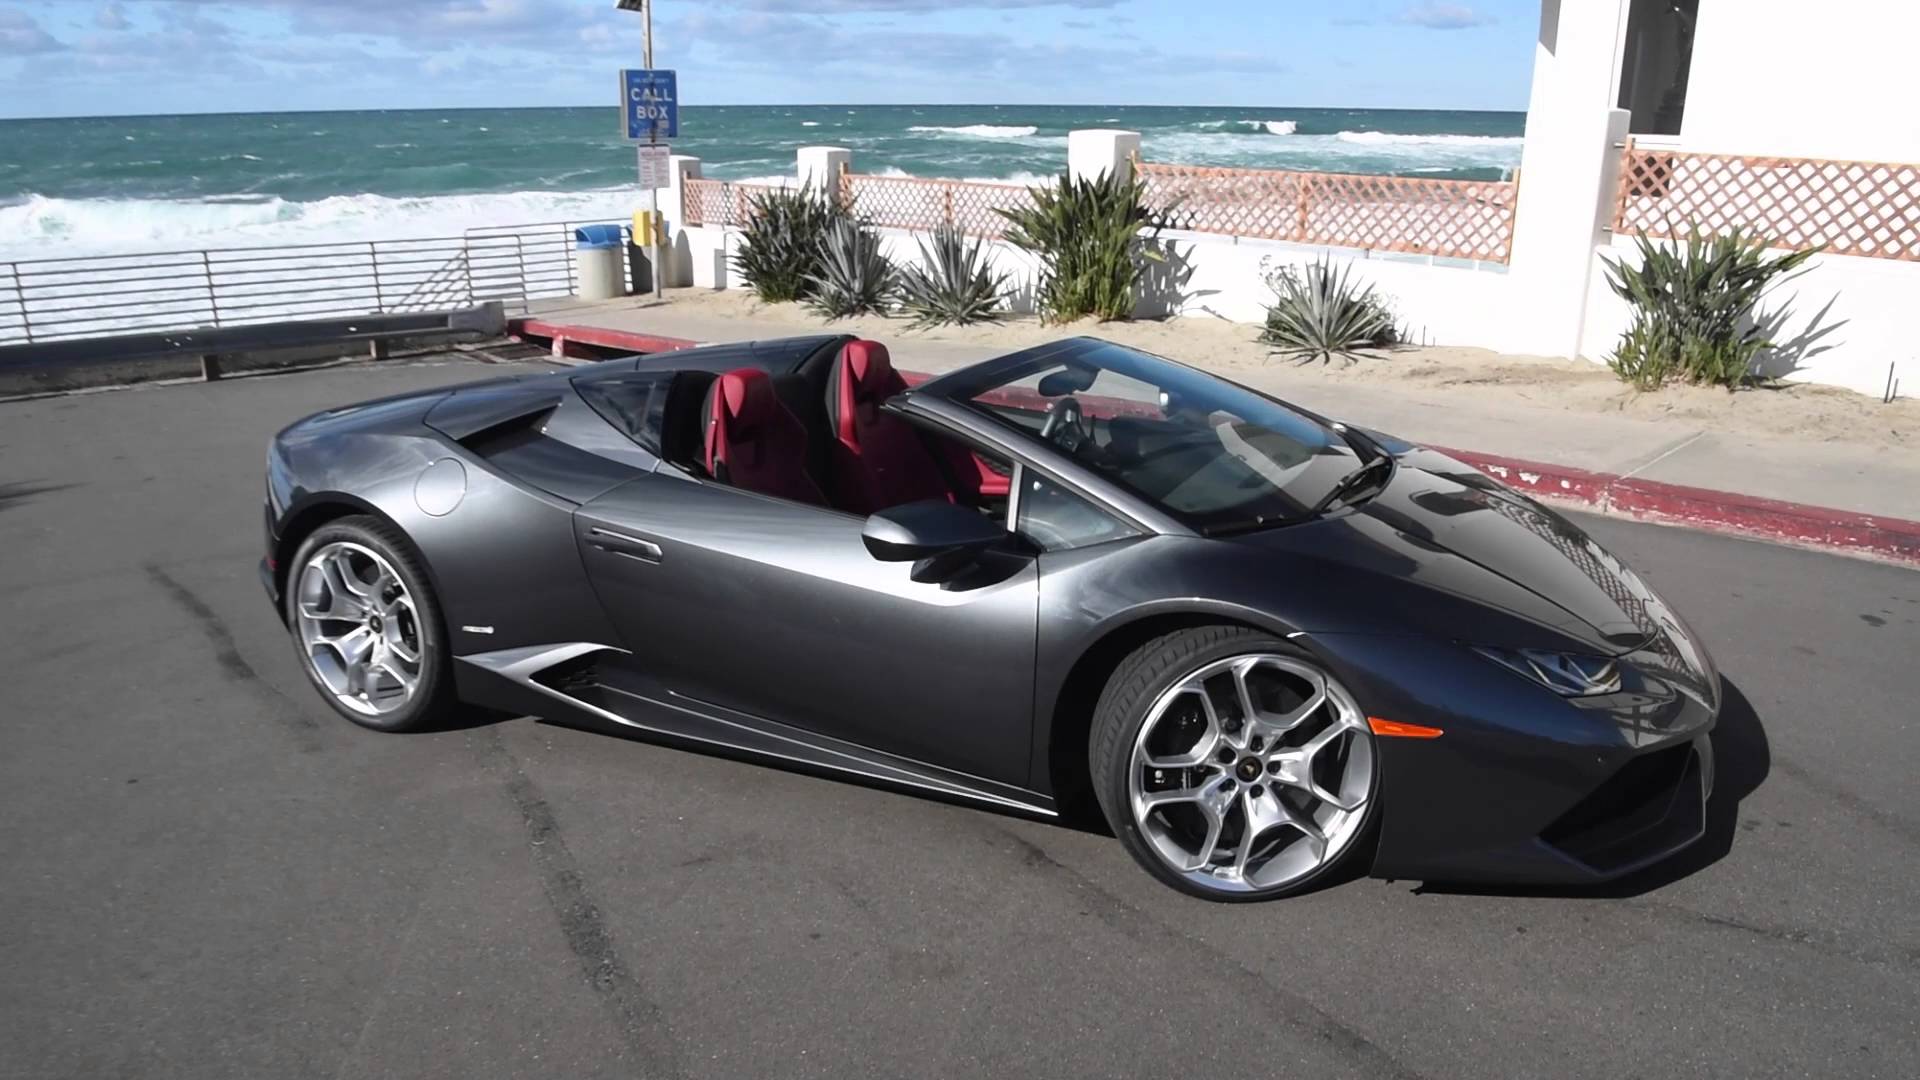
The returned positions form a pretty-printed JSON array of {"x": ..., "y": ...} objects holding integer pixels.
[{"x": 1741, "y": 759}]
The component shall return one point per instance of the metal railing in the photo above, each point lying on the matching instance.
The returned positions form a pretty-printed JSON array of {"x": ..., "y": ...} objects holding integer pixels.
[{"x": 88, "y": 296}]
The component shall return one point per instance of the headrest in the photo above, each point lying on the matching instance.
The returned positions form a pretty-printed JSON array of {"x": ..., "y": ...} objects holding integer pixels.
[
  {"x": 748, "y": 398},
  {"x": 869, "y": 366}
]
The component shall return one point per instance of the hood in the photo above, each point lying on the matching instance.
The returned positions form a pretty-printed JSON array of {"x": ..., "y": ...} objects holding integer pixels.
[{"x": 1442, "y": 526}]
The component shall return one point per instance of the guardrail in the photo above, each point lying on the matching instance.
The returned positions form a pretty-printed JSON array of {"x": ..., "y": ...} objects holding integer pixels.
[{"x": 86, "y": 296}]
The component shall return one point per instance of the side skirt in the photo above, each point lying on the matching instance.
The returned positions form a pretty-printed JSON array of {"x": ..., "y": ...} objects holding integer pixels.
[{"x": 536, "y": 678}]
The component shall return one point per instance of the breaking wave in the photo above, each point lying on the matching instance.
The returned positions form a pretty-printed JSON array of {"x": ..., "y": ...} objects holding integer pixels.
[
  {"x": 1271, "y": 127},
  {"x": 1384, "y": 138},
  {"x": 981, "y": 131},
  {"x": 42, "y": 227}
]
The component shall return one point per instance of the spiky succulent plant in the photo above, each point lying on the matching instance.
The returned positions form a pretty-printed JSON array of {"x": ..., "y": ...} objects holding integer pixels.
[
  {"x": 1091, "y": 237},
  {"x": 853, "y": 278},
  {"x": 780, "y": 244},
  {"x": 1319, "y": 312},
  {"x": 952, "y": 285}
]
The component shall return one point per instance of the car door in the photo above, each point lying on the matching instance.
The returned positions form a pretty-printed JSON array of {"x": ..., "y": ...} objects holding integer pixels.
[{"x": 775, "y": 609}]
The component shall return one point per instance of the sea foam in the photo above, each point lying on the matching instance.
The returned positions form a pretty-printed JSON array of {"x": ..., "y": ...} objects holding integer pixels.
[
  {"x": 981, "y": 131},
  {"x": 39, "y": 227},
  {"x": 1385, "y": 138},
  {"x": 1271, "y": 127}
]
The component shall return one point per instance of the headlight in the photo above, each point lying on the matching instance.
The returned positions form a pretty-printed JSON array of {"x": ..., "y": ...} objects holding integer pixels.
[{"x": 1566, "y": 674}]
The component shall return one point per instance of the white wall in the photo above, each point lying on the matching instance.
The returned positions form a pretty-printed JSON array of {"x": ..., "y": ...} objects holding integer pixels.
[
  {"x": 1846, "y": 319},
  {"x": 1848, "y": 316},
  {"x": 1784, "y": 77}
]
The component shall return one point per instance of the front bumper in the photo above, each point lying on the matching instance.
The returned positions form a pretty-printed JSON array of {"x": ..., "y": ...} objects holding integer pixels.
[
  {"x": 1526, "y": 787},
  {"x": 269, "y": 572}
]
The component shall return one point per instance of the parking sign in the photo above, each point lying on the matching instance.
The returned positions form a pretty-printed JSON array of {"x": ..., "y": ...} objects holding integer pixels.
[{"x": 650, "y": 102}]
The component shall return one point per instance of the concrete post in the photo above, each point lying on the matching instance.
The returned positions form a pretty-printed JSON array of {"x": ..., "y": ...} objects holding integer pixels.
[
  {"x": 819, "y": 167},
  {"x": 679, "y": 262},
  {"x": 1095, "y": 151},
  {"x": 1569, "y": 168}
]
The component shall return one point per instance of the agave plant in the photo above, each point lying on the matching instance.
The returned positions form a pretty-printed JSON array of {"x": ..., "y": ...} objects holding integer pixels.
[
  {"x": 1088, "y": 235},
  {"x": 854, "y": 278},
  {"x": 1319, "y": 312},
  {"x": 1693, "y": 308},
  {"x": 953, "y": 285},
  {"x": 780, "y": 244}
]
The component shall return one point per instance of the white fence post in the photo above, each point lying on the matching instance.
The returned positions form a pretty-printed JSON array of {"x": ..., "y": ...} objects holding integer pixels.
[
  {"x": 819, "y": 167},
  {"x": 679, "y": 261},
  {"x": 1094, "y": 151}
]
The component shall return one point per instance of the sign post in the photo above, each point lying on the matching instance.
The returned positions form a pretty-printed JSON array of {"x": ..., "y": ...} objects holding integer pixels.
[{"x": 650, "y": 112}]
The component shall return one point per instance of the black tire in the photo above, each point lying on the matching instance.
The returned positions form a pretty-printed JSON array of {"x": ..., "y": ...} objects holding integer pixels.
[
  {"x": 1136, "y": 683},
  {"x": 433, "y": 702}
]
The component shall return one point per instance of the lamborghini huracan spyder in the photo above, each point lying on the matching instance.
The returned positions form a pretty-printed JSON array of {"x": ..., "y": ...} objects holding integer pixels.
[{"x": 1268, "y": 646}]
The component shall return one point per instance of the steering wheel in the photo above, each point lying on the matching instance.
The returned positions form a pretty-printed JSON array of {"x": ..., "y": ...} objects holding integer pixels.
[{"x": 1066, "y": 424}]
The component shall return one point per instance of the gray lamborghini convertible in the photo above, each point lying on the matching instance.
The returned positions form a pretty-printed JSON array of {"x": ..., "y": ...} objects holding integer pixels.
[{"x": 1265, "y": 645}]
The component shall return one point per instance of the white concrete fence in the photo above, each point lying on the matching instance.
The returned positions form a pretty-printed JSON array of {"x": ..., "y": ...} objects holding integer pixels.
[{"x": 1845, "y": 326}]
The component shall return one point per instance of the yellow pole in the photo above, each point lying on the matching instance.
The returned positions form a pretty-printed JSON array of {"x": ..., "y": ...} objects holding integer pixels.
[{"x": 654, "y": 230}]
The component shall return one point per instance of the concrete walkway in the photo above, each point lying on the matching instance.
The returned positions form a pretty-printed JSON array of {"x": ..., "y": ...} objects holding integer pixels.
[{"x": 1856, "y": 479}]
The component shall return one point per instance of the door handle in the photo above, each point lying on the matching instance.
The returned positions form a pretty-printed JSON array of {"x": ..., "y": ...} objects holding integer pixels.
[{"x": 621, "y": 544}]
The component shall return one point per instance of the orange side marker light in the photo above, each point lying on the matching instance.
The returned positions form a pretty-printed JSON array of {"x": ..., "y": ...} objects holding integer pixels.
[{"x": 1399, "y": 730}]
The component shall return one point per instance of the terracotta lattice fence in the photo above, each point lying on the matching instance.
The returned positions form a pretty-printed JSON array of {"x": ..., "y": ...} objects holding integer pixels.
[
  {"x": 1461, "y": 219},
  {"x": 1850, "y": 207},
  {"x": 909, "y": 202},
  {"x": 899, "y": 202},
  {"x": 718, "y": 202}
]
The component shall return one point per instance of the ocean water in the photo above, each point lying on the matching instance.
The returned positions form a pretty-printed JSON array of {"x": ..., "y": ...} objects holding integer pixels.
[{"x": 118, "y": 184}]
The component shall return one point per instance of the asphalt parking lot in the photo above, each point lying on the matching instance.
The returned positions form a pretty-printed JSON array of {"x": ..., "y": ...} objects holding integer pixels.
[{"x": 206, "y": 874}]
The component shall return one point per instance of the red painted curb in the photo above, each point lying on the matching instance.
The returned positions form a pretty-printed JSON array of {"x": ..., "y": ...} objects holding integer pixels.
[
  {"x": 1797, "y": 524},
  {"x": 561, "y": 335}
]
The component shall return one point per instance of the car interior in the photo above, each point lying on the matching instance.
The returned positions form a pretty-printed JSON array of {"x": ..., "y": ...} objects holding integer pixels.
[{"x": 818, "y": 435}]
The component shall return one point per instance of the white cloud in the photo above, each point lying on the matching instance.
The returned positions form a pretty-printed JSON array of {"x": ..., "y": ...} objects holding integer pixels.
[
  {"x": 22, "y": 35},
  {"x": 1439, "y": 16}
]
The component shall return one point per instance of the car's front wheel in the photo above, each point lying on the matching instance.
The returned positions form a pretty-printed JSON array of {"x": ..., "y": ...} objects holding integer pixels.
[
  {"x": 367, "y": 627},
  {"x": 1232, "y": 765}
]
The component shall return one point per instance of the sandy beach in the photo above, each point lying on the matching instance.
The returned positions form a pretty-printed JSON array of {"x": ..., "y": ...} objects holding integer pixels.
[{"x": 1796, "y": 411}]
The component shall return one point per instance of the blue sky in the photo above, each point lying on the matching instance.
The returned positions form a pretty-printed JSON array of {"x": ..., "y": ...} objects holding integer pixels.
[{"x": 94, "y": 57}]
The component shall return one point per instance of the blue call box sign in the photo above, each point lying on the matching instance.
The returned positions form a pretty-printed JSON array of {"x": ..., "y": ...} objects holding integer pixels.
[{"x": 650, "y": 100}]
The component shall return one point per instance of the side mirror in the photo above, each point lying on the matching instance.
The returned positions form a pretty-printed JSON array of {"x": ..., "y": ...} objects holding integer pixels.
[{"x": 923, "y": 530}]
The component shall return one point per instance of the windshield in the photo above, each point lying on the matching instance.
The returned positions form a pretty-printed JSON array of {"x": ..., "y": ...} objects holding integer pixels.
[{"x": 1217, "y": 457}]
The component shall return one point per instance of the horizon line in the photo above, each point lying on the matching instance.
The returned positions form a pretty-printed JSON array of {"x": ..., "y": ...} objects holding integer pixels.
[{"x": 742, "y": 105}]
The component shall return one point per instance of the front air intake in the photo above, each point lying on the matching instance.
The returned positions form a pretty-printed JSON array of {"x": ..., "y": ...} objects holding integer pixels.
[{"x": 1654, "y": 805}]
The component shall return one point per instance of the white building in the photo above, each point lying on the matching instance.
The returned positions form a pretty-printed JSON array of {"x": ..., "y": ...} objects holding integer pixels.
[{"x": 1733, "y": 79}]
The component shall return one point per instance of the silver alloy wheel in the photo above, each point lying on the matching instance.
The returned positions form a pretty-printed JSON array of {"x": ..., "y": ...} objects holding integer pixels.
[
  {"x": 358, "y": 627},
  {"x": 1251, "y": 773}
]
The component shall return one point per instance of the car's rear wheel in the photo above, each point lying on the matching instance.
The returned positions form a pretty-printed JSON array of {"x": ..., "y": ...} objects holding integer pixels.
[
  {"x": 1232, "y": 765},
  {"x": 367, "y": 627}
]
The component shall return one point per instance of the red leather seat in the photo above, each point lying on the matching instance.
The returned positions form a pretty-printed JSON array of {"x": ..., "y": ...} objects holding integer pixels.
[
  {"x": 879, "y": 460},
  {"x": 754, "y": 442}
]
